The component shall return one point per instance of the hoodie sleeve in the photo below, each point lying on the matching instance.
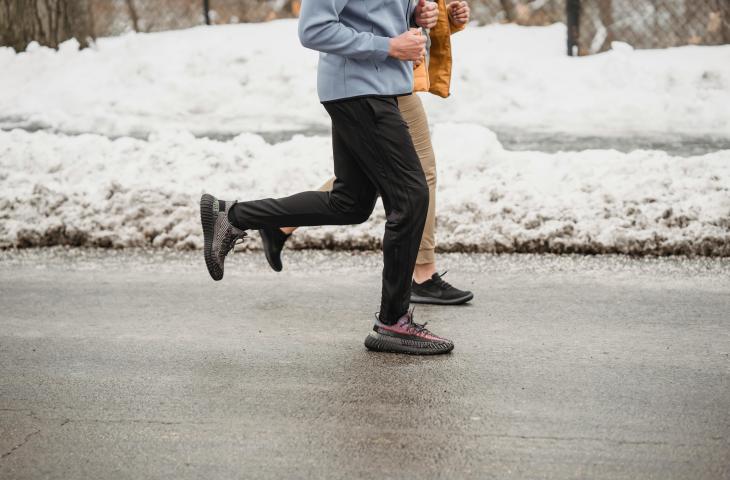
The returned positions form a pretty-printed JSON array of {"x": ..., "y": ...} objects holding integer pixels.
[{"x": 320, "y": 29}]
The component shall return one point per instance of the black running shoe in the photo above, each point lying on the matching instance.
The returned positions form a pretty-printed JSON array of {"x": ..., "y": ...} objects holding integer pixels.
[
  {"x": 406, "y": 336},
  {"x": 438, "y": 292},
  {"x": 219, "y": 235},
  {"x": 274, "y": 240}
]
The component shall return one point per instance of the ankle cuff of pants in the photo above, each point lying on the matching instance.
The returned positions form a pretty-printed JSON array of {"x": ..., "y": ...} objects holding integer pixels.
[
  {"x": 232, "y": 219},
  {"x": 426, "y": 256},
  {"x": 382, "y": 318}
]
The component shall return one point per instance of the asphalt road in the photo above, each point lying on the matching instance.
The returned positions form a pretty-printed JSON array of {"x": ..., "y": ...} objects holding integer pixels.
[{"x": 136, "y": 365}]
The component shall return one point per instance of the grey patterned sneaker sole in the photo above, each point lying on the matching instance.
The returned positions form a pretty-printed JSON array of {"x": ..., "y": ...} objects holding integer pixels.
[
  {"x": 208, "y": 218},
  {"x": 441, "y": 301},
  {"x": 385, "y": 343}
]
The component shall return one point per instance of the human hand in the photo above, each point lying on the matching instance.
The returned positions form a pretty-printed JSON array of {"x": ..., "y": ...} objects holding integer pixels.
[
  {"x": 408, "y": 46},
  {"x": 459, "y": 12},
  {"x": 426, "y": 14}
]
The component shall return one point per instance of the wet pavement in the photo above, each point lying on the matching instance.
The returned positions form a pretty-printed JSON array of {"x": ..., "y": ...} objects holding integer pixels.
[{"x": 134, "y": 364}]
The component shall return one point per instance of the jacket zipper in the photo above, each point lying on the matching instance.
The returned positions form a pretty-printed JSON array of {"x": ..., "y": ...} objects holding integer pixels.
[{"x": 408, "y": 16}]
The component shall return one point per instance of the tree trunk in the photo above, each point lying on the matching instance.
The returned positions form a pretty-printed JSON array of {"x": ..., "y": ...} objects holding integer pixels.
[
  {"x": 605, "y": 12},
  {"x": 133, "y": 15},
  {"x": 509, "y": 10},
  {"x": 723, "y": 8},
  {"x": 49, "y": 22}
]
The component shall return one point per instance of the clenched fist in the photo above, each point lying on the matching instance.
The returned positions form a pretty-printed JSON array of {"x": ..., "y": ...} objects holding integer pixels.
[
  {"x": 459, "y": 12},
  {"x": 408, "y": 46},
  {"x": 426, "y": 14}
]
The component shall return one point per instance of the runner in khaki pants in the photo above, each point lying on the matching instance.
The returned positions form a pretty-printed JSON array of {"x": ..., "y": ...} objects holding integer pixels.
[{"x": 434, "y": 76}]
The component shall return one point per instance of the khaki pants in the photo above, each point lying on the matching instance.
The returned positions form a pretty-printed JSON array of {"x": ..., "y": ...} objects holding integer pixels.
[{"x": 414, "y": 115}]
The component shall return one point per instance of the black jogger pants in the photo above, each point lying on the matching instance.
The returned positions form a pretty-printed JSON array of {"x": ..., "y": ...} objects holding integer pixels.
[{"x": 373, "y": 154}]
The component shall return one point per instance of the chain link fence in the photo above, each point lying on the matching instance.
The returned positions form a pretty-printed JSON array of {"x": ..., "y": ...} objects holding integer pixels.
[
  {"x": 648, "y": 23},
  {"x": 522, "y": 12},
  {"x": 594, "y": 24},
  {"x": 641, "y": 23},
  {"x": 113, "y": 17}
]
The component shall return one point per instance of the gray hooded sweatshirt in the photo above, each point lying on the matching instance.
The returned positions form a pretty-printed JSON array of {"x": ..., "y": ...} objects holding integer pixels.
[{"x": 353, "y": 37}]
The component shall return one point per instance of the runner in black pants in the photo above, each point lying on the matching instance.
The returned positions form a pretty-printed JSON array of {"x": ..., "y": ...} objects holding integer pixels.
[{"x": 373, "y": 155}]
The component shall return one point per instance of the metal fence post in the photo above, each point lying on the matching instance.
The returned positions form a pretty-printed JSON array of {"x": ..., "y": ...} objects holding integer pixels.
[
  {"x": 572, "y": 14},
  {"x": 206, "y": 11}
]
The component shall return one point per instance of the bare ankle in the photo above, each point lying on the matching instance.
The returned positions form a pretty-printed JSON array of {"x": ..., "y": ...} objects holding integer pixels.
[
  {"x": 423, "y": 272},
  {"x": 288, "y": 230}
]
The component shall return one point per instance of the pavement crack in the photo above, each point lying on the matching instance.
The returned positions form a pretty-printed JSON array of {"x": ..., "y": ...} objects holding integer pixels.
[
  {"x": 30, "y": 414},
  {"x": 66, "y": 420},
  {"x": 25, "y": 440},
  {"x": 129, "y": 421},
  {"x": 27, "y": 411},
  {"x": 587, "y": 439}
]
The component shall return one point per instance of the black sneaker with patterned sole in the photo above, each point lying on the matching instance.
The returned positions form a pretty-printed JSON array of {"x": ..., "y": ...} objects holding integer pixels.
[
  {"x": 219, "y": 235},
  {"x": 436, "y": 291}
]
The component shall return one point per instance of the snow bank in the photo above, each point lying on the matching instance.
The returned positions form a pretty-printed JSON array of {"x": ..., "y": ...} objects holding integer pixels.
[
  {"x": 90, "y": 190},
  {"x": 256, "y": 77}
]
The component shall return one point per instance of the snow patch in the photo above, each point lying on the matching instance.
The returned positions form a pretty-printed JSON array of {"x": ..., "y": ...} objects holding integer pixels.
[{"x": 89, "y": 190}]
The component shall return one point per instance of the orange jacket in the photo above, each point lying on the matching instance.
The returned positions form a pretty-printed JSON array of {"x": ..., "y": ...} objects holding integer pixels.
[{"x": 437, "y": 79}]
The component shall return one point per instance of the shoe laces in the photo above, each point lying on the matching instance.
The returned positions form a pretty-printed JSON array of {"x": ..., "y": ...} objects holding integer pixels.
[
  {"x": 234, "y": 240},
  {"x": 412, "y": 327},
  {"x": 416, "y": 327},
  {"x": 441, "y": 282}
]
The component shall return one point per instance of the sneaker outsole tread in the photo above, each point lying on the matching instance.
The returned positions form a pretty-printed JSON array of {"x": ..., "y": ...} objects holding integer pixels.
[
  {"x": 440, "y": 301},
  {"x": 386, "y": 343},
  {"x": 208, "y": 219}
]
